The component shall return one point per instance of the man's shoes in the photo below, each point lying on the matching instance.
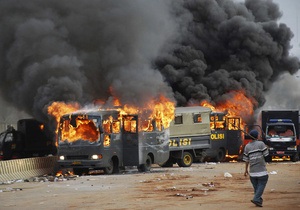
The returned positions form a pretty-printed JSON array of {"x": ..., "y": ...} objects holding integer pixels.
[{"x": 257, "y": 203}]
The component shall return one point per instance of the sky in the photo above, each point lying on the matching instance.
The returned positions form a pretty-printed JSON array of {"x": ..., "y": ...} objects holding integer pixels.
[
  {"x": 287, "y": 88},
  {"x": 290, "y": 10}
]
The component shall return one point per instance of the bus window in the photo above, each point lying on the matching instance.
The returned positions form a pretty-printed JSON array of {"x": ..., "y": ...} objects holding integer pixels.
[
  {"x": 106, "y": 140},
  {"x": 106, "y": 126},
  {"x": 116, "y": 127},
  {"x": 85, "y": 129},
  {"x": 147, "y": 126},
  {"x": 178, "y": 119},
  {"x": 130, "y": 125},
  {"x": 197, "y": 118}
]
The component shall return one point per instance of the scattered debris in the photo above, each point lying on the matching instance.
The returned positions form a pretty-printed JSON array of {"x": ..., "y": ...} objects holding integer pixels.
[
  {"x": 45, "y": 178},
  {"x": 273, "y": 172},
  {"x": 9, "y": 189},
  {"x": 210, "y": 165},
  {"x": 226, "y": 174},
  {"x": 184, "y": 195},
  {"x": 211, "y": 184}
]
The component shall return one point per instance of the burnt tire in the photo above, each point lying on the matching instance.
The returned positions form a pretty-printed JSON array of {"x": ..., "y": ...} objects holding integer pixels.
[
  {"x": 146, "y": 166},
  {"x": 220, "y": 156},
  {"x": 186, "y": 161},
  {"x": 110, "y": 168}
]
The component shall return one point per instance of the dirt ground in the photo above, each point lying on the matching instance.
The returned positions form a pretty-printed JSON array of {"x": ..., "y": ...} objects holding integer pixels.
[{"x": 202, "y": 186}]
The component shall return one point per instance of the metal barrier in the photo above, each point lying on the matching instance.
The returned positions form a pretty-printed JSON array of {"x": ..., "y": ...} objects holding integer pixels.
[{"x": 26, "y": 168}]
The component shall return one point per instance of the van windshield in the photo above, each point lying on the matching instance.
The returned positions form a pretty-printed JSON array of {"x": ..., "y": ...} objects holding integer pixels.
[
  {"x": 79, "y": 127},
  {"x": 281, "y": 131}
]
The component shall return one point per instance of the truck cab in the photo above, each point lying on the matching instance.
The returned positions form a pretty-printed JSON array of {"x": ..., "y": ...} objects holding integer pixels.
[
  {"x": 281, "y": 138},
  {"x": 281, "y": 128},
  {"x": 31, "y": 139}
]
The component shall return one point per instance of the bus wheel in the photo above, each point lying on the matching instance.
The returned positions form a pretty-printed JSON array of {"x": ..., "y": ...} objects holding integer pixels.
[
  {"x": 186, "y": 160},
  {"x": 220, "y": 156},
  {"x": 146, "y": 166},
  {"x": 110, "y": 168},
  {"x": 80, "y": 171}
]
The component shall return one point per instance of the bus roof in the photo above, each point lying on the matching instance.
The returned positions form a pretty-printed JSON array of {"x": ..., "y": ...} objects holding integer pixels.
[
  {"x": 93, "y": 112},
  {"x": 192, "y": 109}
]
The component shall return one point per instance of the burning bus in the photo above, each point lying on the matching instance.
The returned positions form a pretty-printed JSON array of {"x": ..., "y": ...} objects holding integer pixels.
[
  {"x": 227, "y": 121},
  {"x": 226, "y": 137},
  {"x": 198, "y": 134},
  {"x": 109, "y": 140}
]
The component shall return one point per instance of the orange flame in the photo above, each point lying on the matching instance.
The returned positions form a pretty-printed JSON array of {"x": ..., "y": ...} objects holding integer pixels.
[
  {"x": 161, "y": 111},
  {"x": 117, "y": 102},
  {"x": 42, "y": 126},
  {"x": 58, "y": 109},
  {"x": 238, "y": 105},
  {"x": 85, "y": 129}
]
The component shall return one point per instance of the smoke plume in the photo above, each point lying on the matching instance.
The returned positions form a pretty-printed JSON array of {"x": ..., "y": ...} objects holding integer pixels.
[
  {"x": 136, "y": 50},
  {"x": 229, "y": 46},
  {"x": 284, "y": 94}
]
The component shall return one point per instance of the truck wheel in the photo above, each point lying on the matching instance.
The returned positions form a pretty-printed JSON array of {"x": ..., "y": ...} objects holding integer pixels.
[
  {"x": 146, "y": 166},
  {"x": 186, "y": 160},
  {"x": 220, "y": 156},
  {"x": 80, "y": 171},
  {"x": 110, "y": 168},
  {"x": 295, "y": 158}
]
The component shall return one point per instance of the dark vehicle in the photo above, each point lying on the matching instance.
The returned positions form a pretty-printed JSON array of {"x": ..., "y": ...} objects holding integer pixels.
[
  {"x": 226, "y": 137},
  {"x": 31, "y": 139},
  {"x": 107, "y": 140},
  {"x": 281, "y": 128}
]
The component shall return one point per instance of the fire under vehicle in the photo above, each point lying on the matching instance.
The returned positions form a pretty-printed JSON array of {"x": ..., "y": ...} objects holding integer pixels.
[
  {"x": 107, "y": 140},
  {"x": 197, "y": 133},
  {"x": 31, "y": 139},
  {"x": 281, "y": 128}
]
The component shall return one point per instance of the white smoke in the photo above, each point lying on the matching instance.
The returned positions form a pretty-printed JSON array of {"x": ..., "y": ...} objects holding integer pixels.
[{"x": 284, "y": 93}]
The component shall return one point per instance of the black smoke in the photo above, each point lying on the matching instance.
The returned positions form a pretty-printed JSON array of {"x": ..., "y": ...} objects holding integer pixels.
[
  {"x": 229, "y": 46},
  {"x": 82, "y": 51},
  {"x": 188, "y": 50}
]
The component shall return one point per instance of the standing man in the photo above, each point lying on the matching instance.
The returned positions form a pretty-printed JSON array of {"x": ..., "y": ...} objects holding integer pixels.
[{"x": 254, "y": 154}]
